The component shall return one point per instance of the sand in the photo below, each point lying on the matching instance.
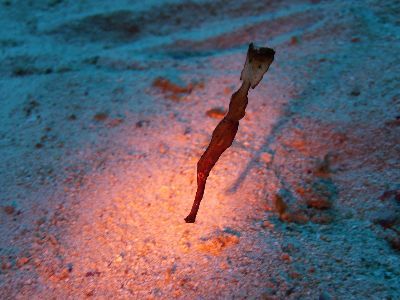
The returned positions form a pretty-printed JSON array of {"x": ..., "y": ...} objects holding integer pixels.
[{"x": 106, "y": 108}]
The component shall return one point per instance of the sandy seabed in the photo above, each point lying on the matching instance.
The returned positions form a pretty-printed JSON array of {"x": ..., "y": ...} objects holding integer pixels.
[{"x": 106, "y": 107}]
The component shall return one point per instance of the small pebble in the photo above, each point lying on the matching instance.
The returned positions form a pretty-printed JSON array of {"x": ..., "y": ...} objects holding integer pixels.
[
  {"x": 22, "y": 261},
  {"x": 100, "y": 117},
  {"x": 9, "y": 209},
  {"x": 266, "y": 157},
  {"x": 216, "y": 113}
]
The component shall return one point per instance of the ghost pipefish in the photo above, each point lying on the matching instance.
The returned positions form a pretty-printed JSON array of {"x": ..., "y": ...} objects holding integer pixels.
[{"x": 257, "y": 63}]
